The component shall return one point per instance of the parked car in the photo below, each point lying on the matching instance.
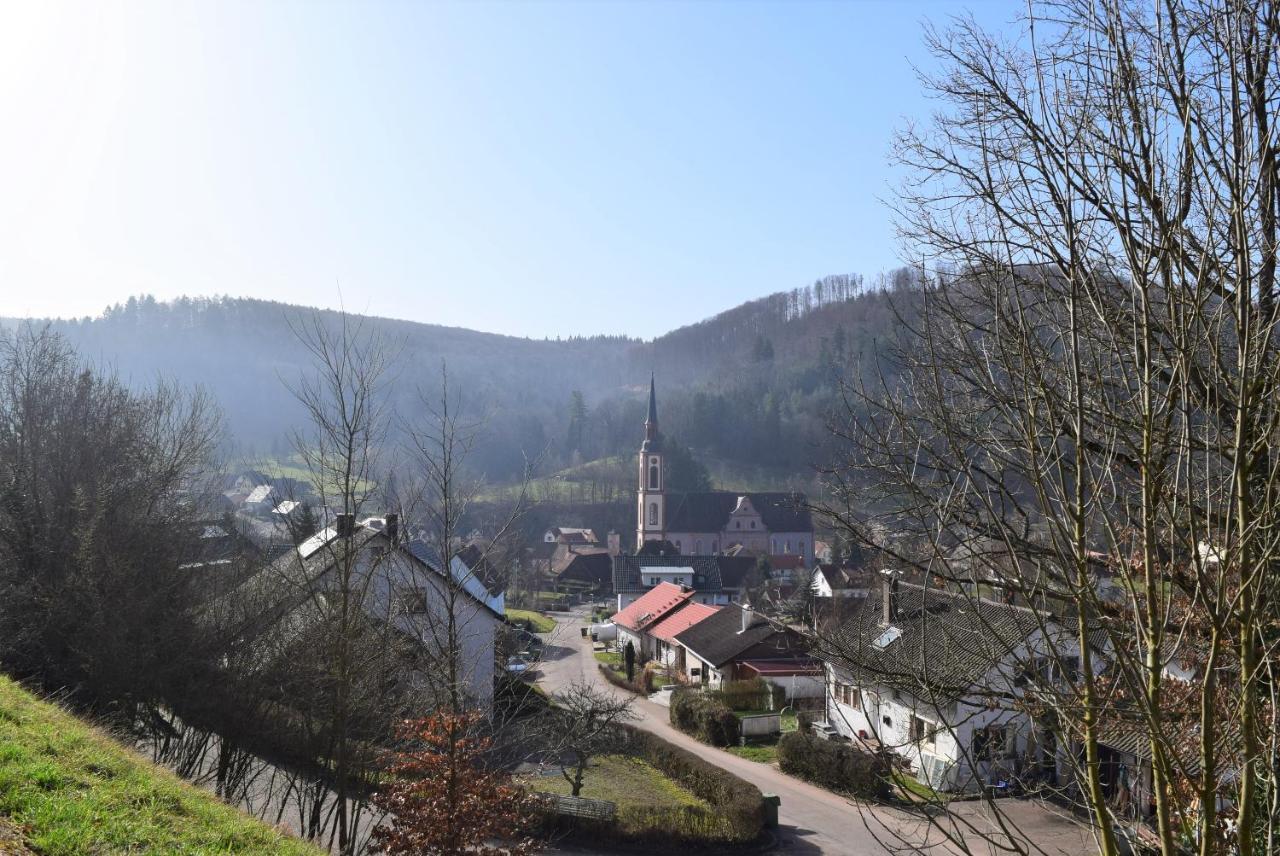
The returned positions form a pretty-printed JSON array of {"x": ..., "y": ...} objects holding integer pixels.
[{"x": 517, "y": 665}]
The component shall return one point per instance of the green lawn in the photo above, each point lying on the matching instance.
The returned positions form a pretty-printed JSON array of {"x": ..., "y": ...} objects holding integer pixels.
[
  {"x": 73, "y": 790},
  {"x": 625, "y": 781},
  {"x": 765, "y": 753},
  {"x": 540, "y": 623},
  {"x": 915, "y": 790},
  {"x": 609, "y": 658}
]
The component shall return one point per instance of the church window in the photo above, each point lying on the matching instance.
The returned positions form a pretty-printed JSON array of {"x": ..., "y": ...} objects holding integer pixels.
[
  {"x": 697, "y": 548},
  {"x": 788, "y": 546},
  {"x": 653, "y": 474},
  {"x": 753, "y": 524},
  {"x": 737, "y": 524},
  {"x": 653, "y": 514}
]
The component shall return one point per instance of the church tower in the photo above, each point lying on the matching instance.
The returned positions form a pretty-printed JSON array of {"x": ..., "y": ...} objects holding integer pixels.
[{"x": 651, "y": 507}]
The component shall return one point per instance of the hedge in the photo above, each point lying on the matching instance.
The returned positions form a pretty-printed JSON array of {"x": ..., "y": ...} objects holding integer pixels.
[
  {"x": 753, "y": 694},
  {"x": 619, "y": 679},
  {"x": 705, "y": 717},
  {"x": 838, "y": 766},
  {"x": 735, "y": 812}
]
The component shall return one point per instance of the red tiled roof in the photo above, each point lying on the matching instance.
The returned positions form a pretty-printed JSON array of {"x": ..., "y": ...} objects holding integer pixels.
[
  {"x": 680, "y": 620},
  {"x": 652, "y": 606}
]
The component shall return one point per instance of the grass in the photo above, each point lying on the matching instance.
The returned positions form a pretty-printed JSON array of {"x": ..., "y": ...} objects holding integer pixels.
[
  {"x": 72, "y": 790},
  {"x": 622, "y": 780},
  {"x": 539, "y": 622},
  {"x": 765, "y": 753},
  {"x": 609, "y": 658},
  {"x": 916, "y": 790}
]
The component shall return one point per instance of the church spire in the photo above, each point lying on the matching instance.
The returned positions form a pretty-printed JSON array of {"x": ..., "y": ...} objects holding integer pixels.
[{"x": 653, "y": 403}]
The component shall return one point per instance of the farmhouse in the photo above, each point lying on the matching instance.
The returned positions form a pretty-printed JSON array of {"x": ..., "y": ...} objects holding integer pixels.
[
  {"x": 935, "y": 676},
  {"x": 736, "y": 643}
]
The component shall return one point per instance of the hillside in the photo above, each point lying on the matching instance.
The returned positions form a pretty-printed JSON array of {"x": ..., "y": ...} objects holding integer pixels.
[
  {"x": 747, "y": 388},
  {"x": 68, "y": 789}
]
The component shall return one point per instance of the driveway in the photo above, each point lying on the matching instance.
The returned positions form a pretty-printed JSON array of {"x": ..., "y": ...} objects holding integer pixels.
[{"x": 811, "y": 819}]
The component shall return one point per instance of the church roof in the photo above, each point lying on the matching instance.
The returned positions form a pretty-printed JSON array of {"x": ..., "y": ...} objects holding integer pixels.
[
  {"x": 710, "y": 511},
  {"x": 653, "y": 403}
]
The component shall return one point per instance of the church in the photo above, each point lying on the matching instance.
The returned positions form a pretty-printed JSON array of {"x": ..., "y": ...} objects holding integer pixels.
[{"x": 714, "y": 522}]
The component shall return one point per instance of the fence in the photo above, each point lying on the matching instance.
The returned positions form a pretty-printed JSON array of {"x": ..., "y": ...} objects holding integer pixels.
[{"x": 763, "y": 725}]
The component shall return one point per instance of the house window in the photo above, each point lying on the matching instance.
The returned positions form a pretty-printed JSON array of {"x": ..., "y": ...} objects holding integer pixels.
[
  {"x": 848, "y": 695},
  {"x": 653, "y": 514},
  {"x": 923, "y": 731},
  {"x": 991, "y": 743},
  {"x": 788, "y": 547},
  {"x": 653, "y": 474},
  {"x": 697, "y": 548},
  {"x": 680, "y": 546}
]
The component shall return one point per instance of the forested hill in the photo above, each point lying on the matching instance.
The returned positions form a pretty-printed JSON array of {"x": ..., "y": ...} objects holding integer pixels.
[{"x": 749, "y": 385}]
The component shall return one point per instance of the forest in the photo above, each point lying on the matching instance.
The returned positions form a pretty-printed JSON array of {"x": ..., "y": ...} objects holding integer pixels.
[{"x": 747, "y": 390}]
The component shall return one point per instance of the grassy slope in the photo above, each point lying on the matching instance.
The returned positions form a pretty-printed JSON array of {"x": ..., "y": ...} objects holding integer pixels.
[
  {"x": 541, "y": 623},
  {"x": 73, "y": 790}
]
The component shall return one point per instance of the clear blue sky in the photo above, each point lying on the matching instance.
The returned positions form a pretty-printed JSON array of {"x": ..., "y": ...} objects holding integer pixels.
[{"x": 525, "y": 168}]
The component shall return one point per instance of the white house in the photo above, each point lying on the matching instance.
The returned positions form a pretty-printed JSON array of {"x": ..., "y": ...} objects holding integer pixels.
[
  {"x": 937, "y": 676},
  {"x": 401, "y": 584}
]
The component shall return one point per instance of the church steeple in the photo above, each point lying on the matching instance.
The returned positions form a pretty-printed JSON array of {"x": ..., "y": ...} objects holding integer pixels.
[
  {"x": 651, "y": 509},
  {"x": 651, "y": 420}
]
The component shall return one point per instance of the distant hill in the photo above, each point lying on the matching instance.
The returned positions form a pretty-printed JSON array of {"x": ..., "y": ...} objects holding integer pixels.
[{"x": 748, "y": 386}]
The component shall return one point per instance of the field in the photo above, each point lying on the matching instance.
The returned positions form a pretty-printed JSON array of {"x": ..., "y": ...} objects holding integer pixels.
[
  {"x": 72, "y": 790},
  {"x": 625, "y": 781},
  {"x": 539, "y": 622}
]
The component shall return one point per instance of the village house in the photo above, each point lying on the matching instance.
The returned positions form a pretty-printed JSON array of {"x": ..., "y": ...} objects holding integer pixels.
[
  {"x": 737, "y": 643},
  {"x": 635, "y": 620},
  {"x": 404, "y": 587},
  {"x": 714, "y": 580},
  {"x": 935, "y": 676},
  {"x": 830, "y": 580}
]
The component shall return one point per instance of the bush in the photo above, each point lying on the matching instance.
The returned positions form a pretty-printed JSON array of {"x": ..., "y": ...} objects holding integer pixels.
[
  {"x": 753, "y": 694},
  {"x": 838, "y": 766},
  {"x": 805, "y": 720},
  {"x": 705, "y": 717},
  {"x": 619, "y": 678}
]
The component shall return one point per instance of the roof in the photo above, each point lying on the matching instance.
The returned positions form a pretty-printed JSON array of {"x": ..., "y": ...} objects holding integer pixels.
[
  {"x": 784, "y": 667},
  {"x": 719, "y": 638},
  {"x": 942, "y": 639},
  {"x": 594, "y": 568},
  {"x": 575, "y": 535},
  {"x": 709, "y": 511},
  {"x": 259, "y": 494},
  {"x": 652, "y": 415},
  {"x": 680, "y": 620},
  {"x": 286, "y": 507},
  {"x": 652, "y": 606},
  {"x": 627, "y": 571}
]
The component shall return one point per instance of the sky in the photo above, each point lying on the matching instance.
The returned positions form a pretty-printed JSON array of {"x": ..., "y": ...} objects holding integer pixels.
[{"x": 534, "y": 169}]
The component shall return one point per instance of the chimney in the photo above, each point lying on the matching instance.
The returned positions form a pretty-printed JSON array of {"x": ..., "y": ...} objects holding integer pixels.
[
  {"x": 346, "y": 525},
  {"x": 889, "y": 597},
  {"x": 615, "y": 543},
  {"x": 747, "y": 615},
  {"x": 392, "y": 528}
]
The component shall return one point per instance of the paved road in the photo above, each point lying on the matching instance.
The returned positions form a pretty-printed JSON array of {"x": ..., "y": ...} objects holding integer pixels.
[{"x": 812, "y": 820}]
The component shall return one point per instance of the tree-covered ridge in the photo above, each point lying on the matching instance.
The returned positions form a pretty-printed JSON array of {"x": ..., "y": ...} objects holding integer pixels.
[{"x": 749, "y": 386}]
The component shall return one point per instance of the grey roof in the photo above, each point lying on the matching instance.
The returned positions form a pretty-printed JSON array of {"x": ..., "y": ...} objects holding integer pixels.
[
  {"x": 709, "y": 511},
  {"x": 627, "y": 571},
  {"x": 594, "y": 568},
  {"x": 719, "y": 638},
  {"x": 946, "y": 641},
  {"x": 653, "y": 402}
]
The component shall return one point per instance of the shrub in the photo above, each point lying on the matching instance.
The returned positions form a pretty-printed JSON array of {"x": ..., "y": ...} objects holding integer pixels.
[
  {"x": 753, "y": 694},
  {"x": 705, "y": 717},
  {"x": 619, "y": 679},
  {"x": 805, "y": 720},
  {"x": 838, "y": 766}
]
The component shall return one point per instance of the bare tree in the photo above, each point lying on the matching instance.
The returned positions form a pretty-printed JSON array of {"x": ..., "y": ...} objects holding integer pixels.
[
  {"x": 1088, "y": 418},
  {"x": 583, "y": 724}
]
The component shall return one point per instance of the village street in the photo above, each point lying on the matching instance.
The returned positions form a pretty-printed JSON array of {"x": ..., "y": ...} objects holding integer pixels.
[{"x": 814, "y": 820}]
